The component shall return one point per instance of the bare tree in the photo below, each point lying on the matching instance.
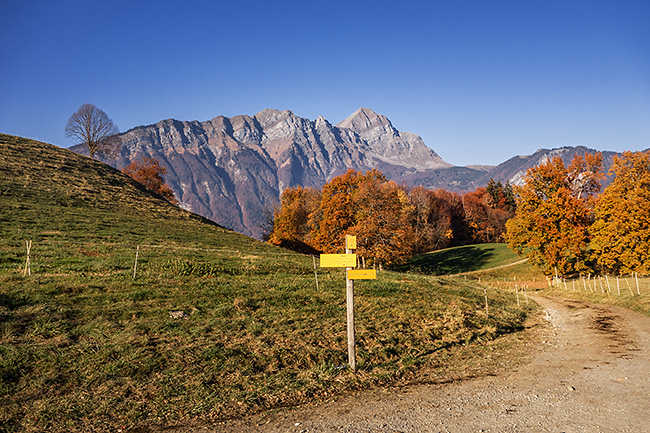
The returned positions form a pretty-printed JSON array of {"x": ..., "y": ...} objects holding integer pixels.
[{"x": 93, "y": 128}]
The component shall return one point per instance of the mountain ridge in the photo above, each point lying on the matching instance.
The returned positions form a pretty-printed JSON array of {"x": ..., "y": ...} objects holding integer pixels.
[{"x": 233, "y": 170}]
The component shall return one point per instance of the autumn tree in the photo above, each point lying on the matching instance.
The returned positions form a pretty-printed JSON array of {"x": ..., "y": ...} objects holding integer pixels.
[
  {"x": 486, "y": 217},
  {"x": 500, "y": 196},
  {"x": 621, "y": 232},
  {"x": 338, "y": 209},
  {"x": 437, "y": 219},
  {"x": 91, "y": 127},
  {"x": 292, "y": 223},
  {"x": 383, "y": 234},
  {"x": 554, "y": 212},
  {"x": 432, "y": 229},
  {"x": 150, "y": 174}
]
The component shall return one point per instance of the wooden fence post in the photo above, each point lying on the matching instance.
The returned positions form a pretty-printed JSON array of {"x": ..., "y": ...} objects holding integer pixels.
[
  {"x": 315, "y": 273},
  {"x": 629, "y": 287},
  {"x": 135, "y": 265},
  {"x": 517, "y": 293},
  {"x": 526, "y": 293},
  {"x": 602, "y": 290},
  {"x": 487, "y": 313},
  {"x": 28, "y": 262}
]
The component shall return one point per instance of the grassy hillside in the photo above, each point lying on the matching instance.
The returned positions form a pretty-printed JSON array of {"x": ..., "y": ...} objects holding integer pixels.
[
  {"x": 468, "y": 258},
  {"x": 213, "y": 325}
]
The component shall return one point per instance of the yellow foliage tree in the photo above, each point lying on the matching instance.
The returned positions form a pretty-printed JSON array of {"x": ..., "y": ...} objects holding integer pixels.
[
  {"x": 554, "y": 214},
  {"x": 621, "y": 233}
]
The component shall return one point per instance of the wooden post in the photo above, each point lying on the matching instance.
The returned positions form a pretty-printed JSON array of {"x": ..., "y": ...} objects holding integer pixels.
[
  {"x": 526, "y": 293},
  {"x": 28, "y": 262},
  {"x": 487, "y": 313},
  {"x": 609, "y": 290},
  {"x": 629, "y": 287},
  {"x": 315, "y": 273},
  {"x": 564, "y": 281},
  {"x": 135, "y": 265},
  {"x": 618, "y": 287},
  {"x": 584, "y": 284},
  {"x": 349, "y": 300},
  {"x": 636, "y": 276},
  {"x": 517, "y": 292}
]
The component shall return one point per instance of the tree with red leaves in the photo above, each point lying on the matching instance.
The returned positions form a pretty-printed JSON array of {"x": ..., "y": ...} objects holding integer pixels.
[{"x": 150, "y": 174}]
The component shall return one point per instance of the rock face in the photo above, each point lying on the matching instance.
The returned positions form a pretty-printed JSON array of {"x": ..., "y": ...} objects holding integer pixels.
[
  {"x": 231, "y": 169},
  {"x": 389, "y": 145}
]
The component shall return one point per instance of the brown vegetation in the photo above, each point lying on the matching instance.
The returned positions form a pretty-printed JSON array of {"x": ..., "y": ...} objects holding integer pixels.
[
  {"x": 390, "y": 221},
  {"x": 150, "y": 174}
]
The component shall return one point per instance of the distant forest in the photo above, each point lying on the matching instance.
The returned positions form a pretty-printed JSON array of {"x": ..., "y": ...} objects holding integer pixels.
[
  {"x": 391, "y": 222},
  {"x": 558, "y": 217}
]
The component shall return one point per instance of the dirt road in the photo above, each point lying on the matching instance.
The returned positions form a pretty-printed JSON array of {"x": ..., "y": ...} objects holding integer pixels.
[{"x": 592, "y": 374}]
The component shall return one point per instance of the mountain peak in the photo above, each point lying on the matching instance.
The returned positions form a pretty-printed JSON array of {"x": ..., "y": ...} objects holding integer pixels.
[
  {"x": 269, "y": 116},
  {"x": 364, "y": 119}
]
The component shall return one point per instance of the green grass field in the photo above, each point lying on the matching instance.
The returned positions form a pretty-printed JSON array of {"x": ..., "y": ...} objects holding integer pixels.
[
  {"x": 85, "y": 346},
  {"x": 468, "y": 258}
]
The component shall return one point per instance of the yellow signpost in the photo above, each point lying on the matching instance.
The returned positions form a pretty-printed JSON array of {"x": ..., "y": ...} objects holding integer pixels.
[
  {"x": 362, "y": 274},
  {"x": 338, "y": 260},
  {"x": 349, "y": 261}
]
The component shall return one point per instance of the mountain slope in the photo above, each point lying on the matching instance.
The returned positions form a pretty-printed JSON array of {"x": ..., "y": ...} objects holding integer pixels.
[
  {"x": 49, "y": 192},
  {"x": 390, "y": 145},
  {"x": 231, "y": 169}
]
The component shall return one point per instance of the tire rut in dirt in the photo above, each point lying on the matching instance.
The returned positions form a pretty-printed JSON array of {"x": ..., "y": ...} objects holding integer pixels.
[{"x": 607, "y": 324}]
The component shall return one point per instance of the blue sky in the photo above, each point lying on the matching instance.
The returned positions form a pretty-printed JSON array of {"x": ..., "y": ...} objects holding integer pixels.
[{"x": 480, "y": 81}]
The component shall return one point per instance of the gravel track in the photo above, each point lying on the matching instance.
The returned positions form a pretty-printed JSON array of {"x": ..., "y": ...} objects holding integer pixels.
[{"x": 591, "y": 374}]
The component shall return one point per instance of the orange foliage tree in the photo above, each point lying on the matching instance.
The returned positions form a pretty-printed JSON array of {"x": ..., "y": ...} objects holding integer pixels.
[
  {"x": 390, "y": 221},
  {"x": 380, "y": 225},
  {"x": 486, "y": 221},
  {"x": 338, "y": 209},
  {"x": 621, "y": 233},
  {"x": 293, "y": 219},
  {"x": 554, "y": 212},
  {"x": 150, "y": 174}
]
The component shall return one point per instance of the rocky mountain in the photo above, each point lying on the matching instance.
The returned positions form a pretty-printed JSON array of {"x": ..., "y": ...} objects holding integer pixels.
[{"x": 231, "y": 170}]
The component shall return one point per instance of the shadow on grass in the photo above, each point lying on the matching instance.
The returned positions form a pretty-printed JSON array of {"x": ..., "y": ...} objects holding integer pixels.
[{"x": 450, "y": 261}]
